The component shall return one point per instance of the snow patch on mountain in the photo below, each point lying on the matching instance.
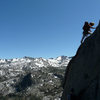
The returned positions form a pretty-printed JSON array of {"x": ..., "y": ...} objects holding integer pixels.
[{"x": 59, "y": 61}]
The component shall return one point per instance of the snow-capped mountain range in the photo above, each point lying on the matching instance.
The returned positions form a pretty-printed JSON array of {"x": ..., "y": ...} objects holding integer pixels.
[
  {"x": 17, "y": 65},
  {"x": 30, "y": 62},
  {"x": 50, "y": 70}
]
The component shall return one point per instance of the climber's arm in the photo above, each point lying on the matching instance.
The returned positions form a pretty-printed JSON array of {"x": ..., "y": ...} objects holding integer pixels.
[{"x": 93, "y": 27}]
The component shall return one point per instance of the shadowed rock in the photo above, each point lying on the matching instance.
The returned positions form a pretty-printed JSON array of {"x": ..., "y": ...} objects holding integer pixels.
[
  {"x": 26, "y": 82},
  {"x": 83, "y": 72}
]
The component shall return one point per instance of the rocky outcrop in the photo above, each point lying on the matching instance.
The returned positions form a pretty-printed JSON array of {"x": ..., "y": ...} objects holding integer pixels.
[{"x": 82, "y": 77}]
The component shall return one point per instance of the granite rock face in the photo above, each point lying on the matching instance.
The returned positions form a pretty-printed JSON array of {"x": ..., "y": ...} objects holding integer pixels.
[{"x": 82, "y": 77}]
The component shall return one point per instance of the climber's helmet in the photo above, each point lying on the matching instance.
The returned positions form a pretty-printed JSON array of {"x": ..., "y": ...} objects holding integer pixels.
[{"x": 91, "y": 23}]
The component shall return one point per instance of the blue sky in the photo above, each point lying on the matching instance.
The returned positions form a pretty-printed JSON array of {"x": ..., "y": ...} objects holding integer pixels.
[{"x": 44, "y": 28}]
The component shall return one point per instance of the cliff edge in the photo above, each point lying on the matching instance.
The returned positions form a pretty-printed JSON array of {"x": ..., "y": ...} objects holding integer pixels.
[{"x": 82, "y": 76}]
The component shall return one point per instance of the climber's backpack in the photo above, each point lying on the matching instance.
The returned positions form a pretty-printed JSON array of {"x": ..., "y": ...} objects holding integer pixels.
[{"x": 86, "y": 27}]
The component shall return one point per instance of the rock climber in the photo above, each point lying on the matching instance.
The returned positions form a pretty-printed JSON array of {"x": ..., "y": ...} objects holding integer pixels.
[{"x": 87, "y": 30}]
